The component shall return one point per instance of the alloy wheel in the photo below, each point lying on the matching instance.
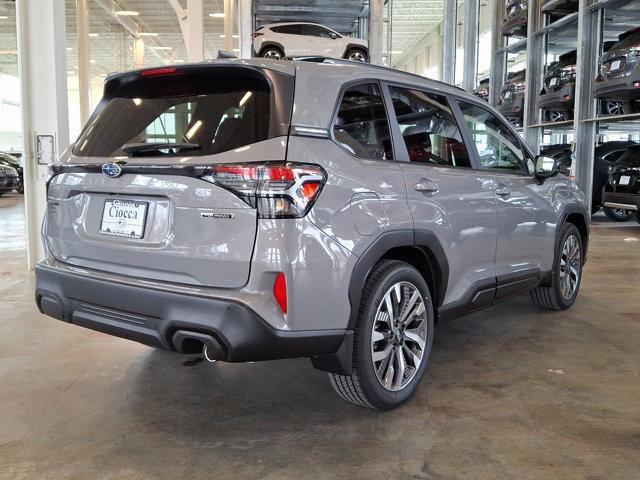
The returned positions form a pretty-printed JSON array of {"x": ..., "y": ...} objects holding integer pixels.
[
  {"x": 399, "y": 336},
  {"x": 570, "y": 267},
  {"x": 272, "y": 54},
  {"x": 613, "y": 107},
  {"x": 620, "y": 212},
  {"x": 357, "y": 56},
  {"x": 557, "y": 116}
]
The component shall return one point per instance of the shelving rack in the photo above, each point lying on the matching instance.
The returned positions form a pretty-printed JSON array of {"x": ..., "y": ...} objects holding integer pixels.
[{"x": 595, "y": 22}]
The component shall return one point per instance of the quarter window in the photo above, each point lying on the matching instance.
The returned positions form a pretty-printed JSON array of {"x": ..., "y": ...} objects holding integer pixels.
[
  {"x": 361, "y": 126},
  {"x": 498, "y": 147},
  {"x": 429, "y": 129}
]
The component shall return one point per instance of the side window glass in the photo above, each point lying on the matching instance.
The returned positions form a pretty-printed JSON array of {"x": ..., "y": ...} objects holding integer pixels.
[
  {"x": 497, "y": 146},
  {"x": 361, "y": 126},
  {"x": 429, "y": 129}
]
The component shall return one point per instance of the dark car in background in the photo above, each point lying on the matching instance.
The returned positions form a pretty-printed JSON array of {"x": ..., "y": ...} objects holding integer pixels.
[
  {"x": 559, "y": 8},
  {"x": 511, "y": 101},
  {"x": 622, "y": 190},
  {"x": 482, "y": 89},
  {"x": 605, "y": 156},
  {"x": 515, "y": 19},
  {"x": 9, "y": 179},
  {"x": 618, "y": 83},
  {"x": 559, "y": 89},
  {"x": 11, "y": 161}
]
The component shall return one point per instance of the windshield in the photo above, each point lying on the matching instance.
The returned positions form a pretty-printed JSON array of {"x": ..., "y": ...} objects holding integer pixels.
[{"x": 180, "y": 116}]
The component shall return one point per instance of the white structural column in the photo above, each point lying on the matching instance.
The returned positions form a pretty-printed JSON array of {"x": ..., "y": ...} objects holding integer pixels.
[
  {"x": 191, "y": 25},
  {"x": 84, "y": 54},
  {"x": 43, "y": 80},
  {"x": 470, "y": 71},
  {"x": 245, "y": 28},
  {"x": 375, "y": 31},
  {"x": 138, "y": 53},
  {"x": 449, "y": 42},
  {"x": 228, "y": 24}
]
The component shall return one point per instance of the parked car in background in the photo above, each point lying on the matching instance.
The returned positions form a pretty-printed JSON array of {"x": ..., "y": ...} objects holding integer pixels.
[
  {"x": 559, "y": 88},
  {"x": 9, "y": 179},
  {"x": 622, "y": 190},
  {"x": 605, "y": 156},
  {"x": 618, "y": 83},
  {"x": 482, "y": 90},
  {"x": 280, "y": 40},
  {"x": 338, "y": 230},
  {"x": 559, "y": 8},
  {"x": 511, "y": 101},
  {"x": 10, "y": 160},
  {"x": 516, "y": 18}
]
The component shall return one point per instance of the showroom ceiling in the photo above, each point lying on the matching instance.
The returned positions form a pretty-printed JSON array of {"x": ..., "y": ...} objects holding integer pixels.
[{"x": 410, "y": 21}]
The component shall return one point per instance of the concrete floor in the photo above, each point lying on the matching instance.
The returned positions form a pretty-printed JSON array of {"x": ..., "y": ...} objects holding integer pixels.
[{"x": 512, "y": 393}]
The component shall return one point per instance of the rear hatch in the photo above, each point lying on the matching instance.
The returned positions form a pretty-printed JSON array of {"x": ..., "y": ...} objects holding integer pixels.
[{"x": 130, "y": 197}]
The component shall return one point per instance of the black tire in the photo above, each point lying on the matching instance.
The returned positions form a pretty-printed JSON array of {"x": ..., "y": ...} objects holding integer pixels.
[
  {"x": 549, "y": 296},
  {"x": 615, "y": 215},
  {"x": 271, "y": 51},
  {"x": 359, "y": 52},
  {"x": 362, "y": 387},
  {"x": 617, "y": 107},
  {"x": 21, "y": 189}
]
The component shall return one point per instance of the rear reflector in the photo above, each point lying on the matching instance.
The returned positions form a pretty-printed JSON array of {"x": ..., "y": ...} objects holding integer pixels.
[
  {"x": 636, "y": 84},
  {"x": 280, "y": 291},
  {"x": 153, "y": 72}
]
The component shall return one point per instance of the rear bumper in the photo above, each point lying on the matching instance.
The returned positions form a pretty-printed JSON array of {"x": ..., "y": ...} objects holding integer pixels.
[
  {"x": 557, "y": 101},
  {"x": 516, "y": 25},
  {"x": 628, "y": 201},
  {"x": 618, "y": 88},
  {"x": 151, "y": 315},
  {"x": 515, "y": 109},
  {"x": 8, "y": 183}
]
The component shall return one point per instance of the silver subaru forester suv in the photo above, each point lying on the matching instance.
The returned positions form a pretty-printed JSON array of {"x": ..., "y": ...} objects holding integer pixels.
[{"x": 259, "y": 209}]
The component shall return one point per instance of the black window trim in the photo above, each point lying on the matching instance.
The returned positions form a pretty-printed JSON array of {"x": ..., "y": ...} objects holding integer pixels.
[
  {"x": 403, "y": 154},
  {"x": 478, "y": 164},
  {"x": 343, "y": 88}
]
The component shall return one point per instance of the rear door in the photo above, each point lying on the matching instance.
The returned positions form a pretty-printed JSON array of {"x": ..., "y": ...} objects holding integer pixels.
[
  {"x": 131, "y": 198},
  {"x": 321, "y": 41},
  {"x": 446, "y": 197},
  {"x": 293, "y": 39}
]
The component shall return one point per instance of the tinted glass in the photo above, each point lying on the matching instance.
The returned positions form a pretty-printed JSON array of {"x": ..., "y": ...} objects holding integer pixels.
[
  {"x": 289, "y": 29},
  {"x": 429, "y": 129},
  {"x": 497, "y": 146},
  {"x": 209, "y": 120},
  {"x": 316, "y": 31},
  {"x": 361, "y": 126}
]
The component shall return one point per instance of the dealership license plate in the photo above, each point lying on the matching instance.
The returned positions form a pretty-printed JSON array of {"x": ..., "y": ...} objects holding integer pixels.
[
  {"x": 616, "y": 65},
  {"x": 507, "y": 95},
  {"x": 624, "y": 180},
  {"x": 553, "y": 82},
  {"x": 124, "y": 218}
]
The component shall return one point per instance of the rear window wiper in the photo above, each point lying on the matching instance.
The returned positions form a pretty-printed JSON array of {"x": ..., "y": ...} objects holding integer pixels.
[{"x": 138, "y": 149}]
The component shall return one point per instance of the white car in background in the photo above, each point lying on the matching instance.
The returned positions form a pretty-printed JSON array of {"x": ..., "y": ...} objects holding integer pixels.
[{"x": 279, "y": 40}]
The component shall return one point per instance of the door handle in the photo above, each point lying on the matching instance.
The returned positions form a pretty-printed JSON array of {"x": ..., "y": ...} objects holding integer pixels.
[
  {"x": 503, "y": 191},
  {"x": 426, "y": 186}
]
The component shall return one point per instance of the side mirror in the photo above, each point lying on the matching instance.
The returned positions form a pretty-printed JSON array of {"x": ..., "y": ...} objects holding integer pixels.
[
  {"x": 334, "y": 35},
  {"x": 545, "y": 167}
]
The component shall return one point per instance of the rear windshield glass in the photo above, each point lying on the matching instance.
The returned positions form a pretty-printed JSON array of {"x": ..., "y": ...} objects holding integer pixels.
[
  {"x": 631, "y": 41},
  {"x": 207, "y": 119}
]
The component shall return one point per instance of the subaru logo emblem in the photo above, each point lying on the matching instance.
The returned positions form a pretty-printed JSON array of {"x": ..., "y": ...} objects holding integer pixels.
[{"x": 112, "y": 170}]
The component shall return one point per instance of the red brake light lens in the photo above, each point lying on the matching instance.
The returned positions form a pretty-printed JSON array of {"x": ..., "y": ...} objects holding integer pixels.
[
  {"x": 280, "y": 291},
  {"x": 153, "y": 72},
  {"x": 276, "y": 190}
]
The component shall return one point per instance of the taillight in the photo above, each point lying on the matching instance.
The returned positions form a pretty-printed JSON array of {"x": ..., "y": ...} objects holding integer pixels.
[
  {"x": 276, "y": 190},
  {"x": 280, "y": 291},
  {"x": 154, "y": 72}
]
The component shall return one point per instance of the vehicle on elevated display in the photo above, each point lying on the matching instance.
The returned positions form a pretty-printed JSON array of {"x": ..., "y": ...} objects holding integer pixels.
[
  {"x": 281, "y": 40},
  {"x": 516, "y": 19},
  {"x": 559, "y": 8},
  {"x": 618, "y": 83},
  {"x": 483, "y": 89},
  {"x": 622, "y": 191},
  {"x": 559, "y": 89},
  {"x": 11, "y": 161},
  {"x": 605, "y": 156},
  {"x": 9, "y": 179},
  {"x": 342, "y": 229},
  {"x": 511, "y": 101}
]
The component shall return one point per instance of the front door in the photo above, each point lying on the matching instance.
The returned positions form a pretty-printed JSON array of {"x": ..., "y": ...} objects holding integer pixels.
[
  {"x": 446, "y": 197},
  {"x": 526, "y": 219}
]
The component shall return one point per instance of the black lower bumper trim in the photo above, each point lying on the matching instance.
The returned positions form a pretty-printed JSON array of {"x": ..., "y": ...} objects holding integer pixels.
[
  {"x": 152, "y": 317},
  {"x": 619, "y": 200}
]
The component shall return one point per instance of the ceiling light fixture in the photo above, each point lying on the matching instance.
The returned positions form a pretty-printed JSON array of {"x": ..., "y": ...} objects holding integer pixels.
[
  {"x": 127, "y": 13},
  {"x": 3, "y": 17},
  {"x": 93, "y": 35},
  {"x": 161, "y": 48},
  {"x": 217, "y": 15},
  {"x": 148, "y": 34}
]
